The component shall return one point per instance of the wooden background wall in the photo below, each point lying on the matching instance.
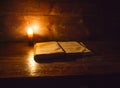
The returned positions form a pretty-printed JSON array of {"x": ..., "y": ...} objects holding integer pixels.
[{"x": 57, "y": 20}]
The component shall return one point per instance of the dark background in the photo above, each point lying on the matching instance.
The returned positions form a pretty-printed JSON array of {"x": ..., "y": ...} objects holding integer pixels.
[{"x": 61, "y": 19}]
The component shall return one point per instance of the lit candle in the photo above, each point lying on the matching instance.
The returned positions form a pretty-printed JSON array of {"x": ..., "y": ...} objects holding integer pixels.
[{"x": 30, "y": 35}]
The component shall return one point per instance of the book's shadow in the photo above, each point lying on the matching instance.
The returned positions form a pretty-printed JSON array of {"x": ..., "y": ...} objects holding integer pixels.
[
  {"x": 66, "y": 58},
  {"x": 59, "y": 59}
]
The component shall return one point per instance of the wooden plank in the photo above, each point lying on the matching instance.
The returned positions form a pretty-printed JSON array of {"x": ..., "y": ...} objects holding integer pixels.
[{"x": 16, "y": 60}]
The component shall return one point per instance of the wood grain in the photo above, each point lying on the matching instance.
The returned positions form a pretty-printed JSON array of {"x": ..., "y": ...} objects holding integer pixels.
[{"x": 16, "y": 60}]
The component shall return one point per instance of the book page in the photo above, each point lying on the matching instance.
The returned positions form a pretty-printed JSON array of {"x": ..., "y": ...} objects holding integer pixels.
[
  {"x": 74, "y": 47},
  {"x": 47, "y": 48}
]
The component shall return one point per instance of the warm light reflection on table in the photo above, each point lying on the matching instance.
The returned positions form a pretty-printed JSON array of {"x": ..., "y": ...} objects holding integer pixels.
[{"x": 32, "y": 65}]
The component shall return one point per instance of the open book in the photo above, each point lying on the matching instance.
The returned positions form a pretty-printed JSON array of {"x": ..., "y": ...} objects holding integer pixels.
[{"x": 55, "y": 49}]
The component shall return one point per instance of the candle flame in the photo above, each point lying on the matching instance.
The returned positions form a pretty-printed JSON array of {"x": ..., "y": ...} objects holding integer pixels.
[{"x": 30, "y": 33}]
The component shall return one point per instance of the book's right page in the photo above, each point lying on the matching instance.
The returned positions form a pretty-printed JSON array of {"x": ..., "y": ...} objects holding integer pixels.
[{"x": 73, "y": 47}]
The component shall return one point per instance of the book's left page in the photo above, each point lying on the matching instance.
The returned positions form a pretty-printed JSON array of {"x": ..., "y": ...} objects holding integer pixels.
[{"x": 47, "y": 50}]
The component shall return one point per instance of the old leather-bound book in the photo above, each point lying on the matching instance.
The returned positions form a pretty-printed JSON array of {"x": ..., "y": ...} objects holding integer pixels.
[{"x": 53, "y": 49}]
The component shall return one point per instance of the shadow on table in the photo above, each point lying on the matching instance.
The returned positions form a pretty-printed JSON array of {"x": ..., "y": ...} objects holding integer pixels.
[{"x": 64, "y": 58}]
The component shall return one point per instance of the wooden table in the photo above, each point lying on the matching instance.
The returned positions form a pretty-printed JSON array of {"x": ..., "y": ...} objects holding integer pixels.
[{"x": 17, "y": 62}]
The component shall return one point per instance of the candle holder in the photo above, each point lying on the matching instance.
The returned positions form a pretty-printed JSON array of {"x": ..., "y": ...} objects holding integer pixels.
[
  {"x": 30, "y": 36},
  {"x": 30, "y": 42}
]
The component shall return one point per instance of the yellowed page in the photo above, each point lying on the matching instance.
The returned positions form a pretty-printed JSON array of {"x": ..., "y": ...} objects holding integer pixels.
[
  {"x": 74, "y": 47},
  {"x": 47, "y": 48}
]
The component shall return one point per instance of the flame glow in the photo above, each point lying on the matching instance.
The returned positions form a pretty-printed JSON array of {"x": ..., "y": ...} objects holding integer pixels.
[
  {"x": 35, "y": 27},
  {"x": 32, "y": 65}
]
